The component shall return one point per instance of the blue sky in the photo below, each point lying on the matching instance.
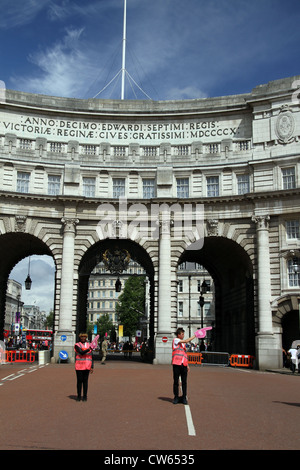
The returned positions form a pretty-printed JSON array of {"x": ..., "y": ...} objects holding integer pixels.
[
  {"x": 175, "y": 49},
  {"x": 42, "y": 273}
]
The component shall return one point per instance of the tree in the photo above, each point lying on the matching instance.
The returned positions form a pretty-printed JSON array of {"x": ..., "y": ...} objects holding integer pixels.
[
  {"x": 131, "y": 306},
  {"x": 104, "y": 325},
  {"x": 50, "y": 320}
]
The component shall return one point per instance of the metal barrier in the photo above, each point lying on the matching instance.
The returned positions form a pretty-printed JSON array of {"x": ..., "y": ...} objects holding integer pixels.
[
  {"x": 215, "y": 358},
  {"x": 194, "y": 358},
  {"x": 209, "y": 358},
  {"x": 221, "y": 359},
  {"x": 20, "y": 356},
  {"x": 240, "y": 360}
]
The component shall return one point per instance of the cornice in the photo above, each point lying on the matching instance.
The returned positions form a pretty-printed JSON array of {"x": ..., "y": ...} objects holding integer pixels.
[{"x": 277, "y": 89}]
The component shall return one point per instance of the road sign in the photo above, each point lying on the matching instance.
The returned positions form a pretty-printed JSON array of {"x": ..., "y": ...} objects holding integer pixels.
[
  {"x": 164, "y": 339},
  {"x": 63, "y": 355},
  {"x": 63, "y": 337}
]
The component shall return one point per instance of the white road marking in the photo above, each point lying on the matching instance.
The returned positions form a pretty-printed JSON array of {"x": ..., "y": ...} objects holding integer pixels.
[
  {"x": 188, "y": 415},
  {"x": 189, "y": 420}
]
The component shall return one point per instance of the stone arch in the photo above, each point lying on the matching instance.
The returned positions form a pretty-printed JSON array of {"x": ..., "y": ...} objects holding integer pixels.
[
  {"x": 15, "y": 246},
  {"x": 92, "y": 256},
  {"x": 232, "y": 270},
  {"x": 286, "y": 318}
]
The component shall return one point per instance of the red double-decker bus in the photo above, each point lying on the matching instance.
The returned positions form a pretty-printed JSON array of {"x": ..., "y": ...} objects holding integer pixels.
[{"x": 38, "y": 338}]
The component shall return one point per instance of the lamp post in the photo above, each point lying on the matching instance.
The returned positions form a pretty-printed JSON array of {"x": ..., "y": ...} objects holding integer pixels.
[
  {"x": 118, "y": 285},
  {"x": 204, "y": 289},
  {"x": 28, "y": 280}
]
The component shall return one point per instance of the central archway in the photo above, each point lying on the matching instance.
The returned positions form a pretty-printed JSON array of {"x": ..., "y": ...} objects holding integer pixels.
[
  {"x": 92, "y": 257},
  {"x": 231, "y": 269}
]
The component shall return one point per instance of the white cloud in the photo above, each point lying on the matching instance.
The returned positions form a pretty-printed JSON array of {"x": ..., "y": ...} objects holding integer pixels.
[
  {"x": 189, "y": 92},
  {"x": 63, "y": 68},
  {"x": 14, "y": 13}
]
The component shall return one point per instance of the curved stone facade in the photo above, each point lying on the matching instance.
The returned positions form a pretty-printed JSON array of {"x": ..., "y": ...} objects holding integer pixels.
[{"x": 213, "y": 181}]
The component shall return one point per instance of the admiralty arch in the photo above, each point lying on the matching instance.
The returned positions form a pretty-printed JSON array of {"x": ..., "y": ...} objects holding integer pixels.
[{"x": 214, "y": 181}]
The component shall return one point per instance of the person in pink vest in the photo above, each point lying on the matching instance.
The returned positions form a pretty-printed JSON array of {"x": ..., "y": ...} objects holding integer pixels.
[
  {"x": 84, "y": 365},
  {"x": 180, "y": 365}
]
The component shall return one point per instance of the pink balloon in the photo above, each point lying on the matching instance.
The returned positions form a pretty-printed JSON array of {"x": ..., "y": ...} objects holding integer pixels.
[{"x": 201, "y": 333}]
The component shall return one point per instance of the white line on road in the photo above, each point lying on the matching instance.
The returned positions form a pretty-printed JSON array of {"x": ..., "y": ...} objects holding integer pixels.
[
  {"x": 189, "y": 420},
  {"x": 16, "y": 376}
]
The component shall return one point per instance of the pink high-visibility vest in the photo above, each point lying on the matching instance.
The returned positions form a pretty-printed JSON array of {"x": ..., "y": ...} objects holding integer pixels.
[
  {"x": 83, "y": 361},
  {"x": 179, "y": 355}
]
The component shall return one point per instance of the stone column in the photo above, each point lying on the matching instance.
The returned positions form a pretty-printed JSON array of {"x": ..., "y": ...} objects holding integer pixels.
[
  {"x": 65, "y": 338},
  {"x": 266, "y": 352},
  {"x": 163, "y": 342},
  {"x": 164, "y": 281}
]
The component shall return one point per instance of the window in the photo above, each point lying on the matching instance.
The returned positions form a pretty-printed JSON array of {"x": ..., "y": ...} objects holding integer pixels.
[
  {"x": 213, "y": 148},
  {"x": 148, "y": 188},
  {"x": 182, "y": 150},
  {"x": 212, "y": 186},
  {"x": 55, "y": 147},
  {"x": 119, "y": 151},
  {"x": 53, "y": 185},
  {"x": 149, "y": 151},
  {"x": 292, "y": 229},
  {"x": 89, "y": 149},
  {"x": 89, "y": 185},
  {"x": 23, "y": 182},
  {"x": 293, "y": 274},
  {"x": 180, "y": 309},
  {"x": 182, "y": 187},
  {"x": 245, "y": 145},
  {"x": 25, "y": 144},
  {"x": 288, "y": 178},
  {"x": 243, "y": 184},
  {"x": 180, "y": 286},
  {"x": 118, "y": 187}
]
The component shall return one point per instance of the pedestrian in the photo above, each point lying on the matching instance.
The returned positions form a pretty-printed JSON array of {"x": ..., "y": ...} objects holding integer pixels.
[
  {"x": 294, "y": 359},
  {"x": 298, "y": 357},
  {"x": 130, "y": 349},
  {"x": 104, "y": 347},
  {"x": 180, "y": 365},
  {"x": 125, "y": 349},
  {"x": 84, "y": 365}
]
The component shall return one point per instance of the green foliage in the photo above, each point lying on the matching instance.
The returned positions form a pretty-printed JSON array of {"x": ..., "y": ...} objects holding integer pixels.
[
  {"x": 50, "y": 320},
  {"x": 131, "y": 306},
  {"x": 104, "y": 325}
]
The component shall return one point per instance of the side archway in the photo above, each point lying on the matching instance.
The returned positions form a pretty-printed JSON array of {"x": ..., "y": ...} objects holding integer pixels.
[
  {"x": 231, "y": 269},
  {"x": 14, "y": 247}
]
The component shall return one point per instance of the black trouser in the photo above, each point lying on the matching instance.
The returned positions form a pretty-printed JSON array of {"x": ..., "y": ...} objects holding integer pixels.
[
  {"x": 179, "y": 371},
  {"x": 82, "y": 382}
]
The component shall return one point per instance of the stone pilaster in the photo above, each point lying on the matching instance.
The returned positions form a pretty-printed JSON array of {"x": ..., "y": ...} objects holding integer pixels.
[
  {"x": 267, "y": 354},
  {"x": 65, "y": 337},
  {"x": 163, "y": 341}
]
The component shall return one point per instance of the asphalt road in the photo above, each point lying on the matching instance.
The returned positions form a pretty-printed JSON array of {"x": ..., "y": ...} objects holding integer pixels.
[{"x": 130, "y": 408}]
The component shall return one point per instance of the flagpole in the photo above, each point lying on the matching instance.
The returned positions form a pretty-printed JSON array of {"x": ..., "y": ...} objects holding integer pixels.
[{"x": 123, "y": 52}]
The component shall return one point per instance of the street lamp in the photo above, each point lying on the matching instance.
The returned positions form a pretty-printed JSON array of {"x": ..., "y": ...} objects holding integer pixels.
[
  {"x": 296, "y": 266},
  {"x": 204, "y": 290},
  {"x": 28, "y": 280},
  {"x": 118, "y": 285}
]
